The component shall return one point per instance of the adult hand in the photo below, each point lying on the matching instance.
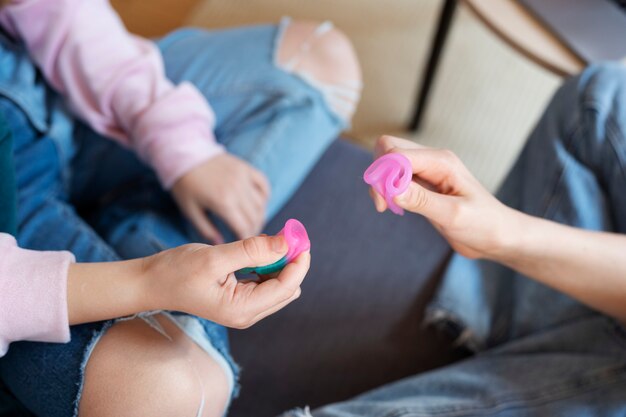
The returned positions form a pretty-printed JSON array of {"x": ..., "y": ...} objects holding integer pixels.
[
  {"x": 199, "y": 279},
  {"x": 473, "y": 221},
  {"x": 228, "y": 187}
]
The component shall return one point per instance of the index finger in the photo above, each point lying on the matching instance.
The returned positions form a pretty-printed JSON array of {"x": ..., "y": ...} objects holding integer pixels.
[
  {"x": 275, "y": 291},
  {"x": 386, "y": 143},
  {"x": 440, "y": 169},
  {"x": 261, "y": 182},
  {"x": 251, "y": 252}
]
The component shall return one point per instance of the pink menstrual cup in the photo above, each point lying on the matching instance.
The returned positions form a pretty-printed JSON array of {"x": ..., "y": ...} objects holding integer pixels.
[
  {"x": 390, "y": 175},
  {"x": 297, "y": 239},
  {"x": 297, "y": 242}
]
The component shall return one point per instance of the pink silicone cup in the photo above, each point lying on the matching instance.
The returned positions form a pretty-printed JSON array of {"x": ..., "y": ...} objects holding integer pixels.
[
  {"x": 390, "y": 175},
  {"x": 297, "y": 239}
]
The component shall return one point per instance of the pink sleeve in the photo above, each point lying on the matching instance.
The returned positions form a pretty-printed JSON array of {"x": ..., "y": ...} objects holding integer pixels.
[
  {"x": 115, "y": 81},
  {"x": 33, "y": 294}
]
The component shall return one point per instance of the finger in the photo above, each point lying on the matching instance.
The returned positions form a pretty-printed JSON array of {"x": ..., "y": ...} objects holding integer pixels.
[
  {"x": 274, "y": 292},
  {"x": 386, "y": 143},
  {"x": 379, "y": 202},
  {"x": 277, "y": 307},
  {"x": 239, "y": 224},
  {"x": 271, "y": 275},
  {"x": 251, "y": 252},
  {"x": 417, "y": 199},
  {"x": 253, "y": 219},
  {"x": 439, "y": 167},
  {"x": 199, "y": 219},
  {"x": 257, "y": 199},
  {"x": 261, "y": 182},
  {"x": 254, "y": 210}
]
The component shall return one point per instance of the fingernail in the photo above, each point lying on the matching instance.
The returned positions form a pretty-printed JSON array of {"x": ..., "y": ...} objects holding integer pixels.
[{"x": 279, "y": 244}]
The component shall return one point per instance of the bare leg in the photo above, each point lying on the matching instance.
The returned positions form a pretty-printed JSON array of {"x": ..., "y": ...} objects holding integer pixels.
[{"x": 136, "y": 371}]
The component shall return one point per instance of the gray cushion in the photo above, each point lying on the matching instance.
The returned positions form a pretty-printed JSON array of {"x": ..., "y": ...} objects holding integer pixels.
[{"x": 357, "y": 324}]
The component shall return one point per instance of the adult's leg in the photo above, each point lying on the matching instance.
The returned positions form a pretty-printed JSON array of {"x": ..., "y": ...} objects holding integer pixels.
[
  {"x": 546, "y": 354},
  {"x": 572, "y": 171},
  {"x": 555, "y": 176},
  {"x": 576, "y": 369}
]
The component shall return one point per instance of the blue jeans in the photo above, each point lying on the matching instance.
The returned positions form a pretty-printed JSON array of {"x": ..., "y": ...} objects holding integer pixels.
[
  {"x": 8, "y": 209},
  {"x": 538, "y": 352},
  {"x": 81, "y": 192}
]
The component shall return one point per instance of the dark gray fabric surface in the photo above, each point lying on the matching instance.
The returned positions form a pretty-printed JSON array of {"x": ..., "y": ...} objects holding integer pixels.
[{"x": 357, "y": 324}]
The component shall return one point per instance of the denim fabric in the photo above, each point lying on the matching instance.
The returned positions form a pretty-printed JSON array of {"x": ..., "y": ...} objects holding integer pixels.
[
  {"x": 572, "y": 171},
  {"x": 80, "y": 192},
  {"x": 540, "y": 352},
  {"x": 8, "y": 208}
]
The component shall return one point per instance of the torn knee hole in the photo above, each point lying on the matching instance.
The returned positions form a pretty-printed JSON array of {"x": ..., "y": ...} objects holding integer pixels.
[{"x": 325, "y": 58}]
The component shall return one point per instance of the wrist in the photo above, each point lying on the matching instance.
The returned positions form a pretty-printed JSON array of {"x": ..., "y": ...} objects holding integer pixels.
[
  {"x": 147, "y": 295},
  {"x": 101, "y": 291},
  {"x": 509, "y": 233}
]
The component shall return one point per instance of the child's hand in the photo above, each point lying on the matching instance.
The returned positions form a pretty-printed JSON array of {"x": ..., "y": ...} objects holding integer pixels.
[
  {"x": 199, "y": 279},
  {"x": 473, "y": 221},
  {"x": 228, "y": 187}
]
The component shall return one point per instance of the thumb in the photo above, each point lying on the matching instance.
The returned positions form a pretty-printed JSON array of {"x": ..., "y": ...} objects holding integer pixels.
[
  {"x": 420, "y": 200},
  {"x": 254, "y": 251}
]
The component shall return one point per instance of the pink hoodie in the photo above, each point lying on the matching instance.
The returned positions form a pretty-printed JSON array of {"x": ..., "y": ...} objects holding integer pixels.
[
  {"x": 33, "y": 294},
  {"x": 115, "y": 82}
]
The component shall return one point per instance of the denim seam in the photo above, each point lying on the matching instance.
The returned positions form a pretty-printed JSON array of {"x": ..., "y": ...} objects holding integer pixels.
[
  {"x": 553, "y": 197},
  {"x": 593, "y": 382},
  {"x": 19, "y": 100},
  {"x": 612, "y": 132}
]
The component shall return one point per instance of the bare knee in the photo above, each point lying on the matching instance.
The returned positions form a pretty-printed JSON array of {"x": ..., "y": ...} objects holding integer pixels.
[
  {"x": 325, "y": 54},
  {"x": 330, "y": 57},
  {"x": 135, "y": 371}
]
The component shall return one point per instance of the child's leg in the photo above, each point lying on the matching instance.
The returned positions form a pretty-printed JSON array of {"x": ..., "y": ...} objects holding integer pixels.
[
  {"x": 280, "y": 94},
  {"x": 173, "y": 377}
]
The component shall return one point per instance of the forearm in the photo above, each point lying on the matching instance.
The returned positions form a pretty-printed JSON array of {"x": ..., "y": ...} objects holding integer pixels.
[
  {"x": 101, "y": 291},
  {"x": 116, "y": 82},
  {"x": 587, "y": 265}
]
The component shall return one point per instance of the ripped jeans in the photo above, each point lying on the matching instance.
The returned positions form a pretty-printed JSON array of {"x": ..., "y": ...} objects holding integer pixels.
[
  {"x": 536, "y": 352},
  {"x": 270, "y": 117}
]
